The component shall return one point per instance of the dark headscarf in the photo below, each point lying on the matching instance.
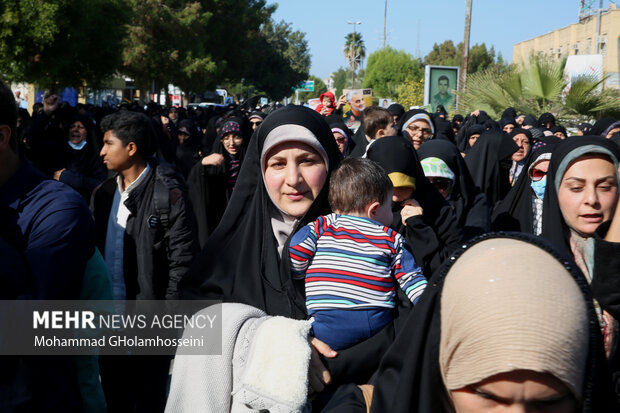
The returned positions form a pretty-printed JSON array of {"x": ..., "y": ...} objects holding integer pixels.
[
  {"x": 84, "y": 168},
  {"x": 546, "y": 118},
  {"x": 434, "y": 235},
  {"x": 409, "y": 378},
  {"x": 186, "y": 154},
  {"x": 559, "y": 128},
  {"x": 514, "y": 213},
  {"x": 210, "y": 187},
  {"x": 240, "y": 261},
  {"x": 509, "y": 113},
  {"x": 470, "y": 205},
  {"x": 489, "y": 164},
  {"x": 396, "y": 109},
  {"x": 555, "y": 228},
  {"x": 601, "y": 126},
  {"x": 530, "y": 121},
  {"x": 443, "y": 130},
  {"x": 585, "y": 128}
]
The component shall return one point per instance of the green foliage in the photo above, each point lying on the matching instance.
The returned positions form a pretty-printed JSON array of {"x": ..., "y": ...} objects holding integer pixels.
[
  {"x": 340, "y": 80},
  {"x": 535, "y": 87},
  {"x": 480, "y": 58},
  {"x": 411, "y": 93},
  {"x": 585, "y": 100},
  {"x": 60, "y": 42},
  {"x": 354, "y": 51},
  {"x": 280, "y": 60},
  {"x": 191, "y": 44},
  {"x": 445, "y": 54},
  {"x": 387, "y": 69}
]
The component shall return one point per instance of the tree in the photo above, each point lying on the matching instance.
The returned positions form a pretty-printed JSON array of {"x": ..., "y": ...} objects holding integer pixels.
[
  {"x": 280, "y": 60},
  {"x": 354, "y": 51},
  {"x": 445, "y": 54},
  {"x": 61, "y": 43},
  {"x": 387, "y": 68},
  {"x": 191, "y": 44},
  {"x": 411, "y": 93},
  {"x": 340, "y": 80},
  {"x": 537, "y": 86},
  {"x": 480, "y": 58}
]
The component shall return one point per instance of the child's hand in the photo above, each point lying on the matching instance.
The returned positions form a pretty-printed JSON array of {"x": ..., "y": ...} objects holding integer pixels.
[
  {"x": 411, "y": 208},
  {"x": 318, "y": 375}
]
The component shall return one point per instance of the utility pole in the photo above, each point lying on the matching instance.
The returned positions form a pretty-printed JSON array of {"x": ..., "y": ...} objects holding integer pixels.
[
  {"x": 465, "y": 56},
  {"x": 384, "y": 22},
  {"x": 598, "y": 27},
  {"x": 352, "y": 51}
]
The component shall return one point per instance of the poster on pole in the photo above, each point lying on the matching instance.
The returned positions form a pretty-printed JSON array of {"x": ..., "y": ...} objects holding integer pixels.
[{"x": 440, "y": 86}]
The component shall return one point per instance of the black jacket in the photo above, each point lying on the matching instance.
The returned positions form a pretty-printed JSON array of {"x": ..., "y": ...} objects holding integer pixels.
[{"x": 156, "y": 255}]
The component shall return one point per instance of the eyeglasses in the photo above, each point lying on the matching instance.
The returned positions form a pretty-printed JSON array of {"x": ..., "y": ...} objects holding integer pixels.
[
  {"x": 256, "y": 123},
  {"x": 537, "y": 174},
  {"x": 415, "y": 129},
  {"x": 341, "y": 140}
]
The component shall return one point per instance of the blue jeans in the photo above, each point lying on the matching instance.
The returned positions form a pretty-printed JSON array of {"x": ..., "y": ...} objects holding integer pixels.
[{"x": 343, "y": 328}]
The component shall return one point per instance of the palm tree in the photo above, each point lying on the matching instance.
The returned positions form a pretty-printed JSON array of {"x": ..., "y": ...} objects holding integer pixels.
[
  {"x": 354, "y": 51},
  {"x": 536, "y": 86}
]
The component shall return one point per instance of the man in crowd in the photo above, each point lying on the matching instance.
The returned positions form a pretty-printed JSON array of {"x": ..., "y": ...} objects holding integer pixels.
[
  {"x": 144, "y": 227},
  {"x": 443, "y": 97},
  {"x": 51, "y": 229}
]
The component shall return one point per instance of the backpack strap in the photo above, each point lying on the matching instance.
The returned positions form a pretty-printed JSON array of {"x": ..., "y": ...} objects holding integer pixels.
[{"x": 161, "y": 201}]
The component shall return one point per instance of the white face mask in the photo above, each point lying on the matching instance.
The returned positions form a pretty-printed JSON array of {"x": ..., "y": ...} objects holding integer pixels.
[{"x": 77, "y": 146}]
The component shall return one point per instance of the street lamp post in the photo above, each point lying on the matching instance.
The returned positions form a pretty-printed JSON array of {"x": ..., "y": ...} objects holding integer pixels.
[{"x": 352, "y": 51}]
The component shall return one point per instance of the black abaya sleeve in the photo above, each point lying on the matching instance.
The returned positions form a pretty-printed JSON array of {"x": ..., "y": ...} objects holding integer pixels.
[
  {"x": 432, "y": 237},
  {"x": 606, "y": 275}
]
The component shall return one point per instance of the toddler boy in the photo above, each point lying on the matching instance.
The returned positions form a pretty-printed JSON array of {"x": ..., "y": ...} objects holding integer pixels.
[{"x": 351, "y": 259}]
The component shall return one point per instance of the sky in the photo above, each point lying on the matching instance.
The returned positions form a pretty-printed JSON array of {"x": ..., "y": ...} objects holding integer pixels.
[{"x": 414, "y": 25}]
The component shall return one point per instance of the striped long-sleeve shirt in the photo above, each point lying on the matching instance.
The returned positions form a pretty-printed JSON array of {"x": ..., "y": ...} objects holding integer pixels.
[{"x": 351, "y": 262}]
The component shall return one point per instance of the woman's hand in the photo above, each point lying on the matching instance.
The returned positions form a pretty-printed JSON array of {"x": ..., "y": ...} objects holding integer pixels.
[
  {"x": 341, "y": 101},
  {"x": 411, "y": 208},
  {"x": 215, "y": 159},
  {"x": 318, "y": 375}
]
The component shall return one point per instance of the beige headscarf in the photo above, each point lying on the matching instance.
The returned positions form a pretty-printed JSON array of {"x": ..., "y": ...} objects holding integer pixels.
[{"x": 508, "y": 305}]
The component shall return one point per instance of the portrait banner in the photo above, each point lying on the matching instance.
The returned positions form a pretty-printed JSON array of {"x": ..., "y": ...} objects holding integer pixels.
[{"x": 440, "y": 86}]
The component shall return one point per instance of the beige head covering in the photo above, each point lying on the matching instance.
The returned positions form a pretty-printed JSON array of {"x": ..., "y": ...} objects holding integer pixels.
[{"x": 508, "y": 305}]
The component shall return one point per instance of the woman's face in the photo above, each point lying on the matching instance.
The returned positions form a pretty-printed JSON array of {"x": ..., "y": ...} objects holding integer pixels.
[
  {"x": 294, "y": 175},
  {"x": 472, "y": 139},
  {"x": 516, "y": 391},
  {"x": 524, "y": 147},
  {"x": 77, "y": 132},
  {"x": 419, "y": 131},
  {"x": 588, "y": 193},
  {"x": 232, "y": 143},
  {"x": 341, "y": 141}
]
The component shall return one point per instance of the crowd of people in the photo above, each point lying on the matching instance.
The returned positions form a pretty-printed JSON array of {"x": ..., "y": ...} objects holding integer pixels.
[{"x": 421, "y": 262}]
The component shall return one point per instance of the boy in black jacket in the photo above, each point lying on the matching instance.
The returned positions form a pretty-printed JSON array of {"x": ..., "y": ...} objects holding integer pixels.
[{"x": 145, "y": 230}]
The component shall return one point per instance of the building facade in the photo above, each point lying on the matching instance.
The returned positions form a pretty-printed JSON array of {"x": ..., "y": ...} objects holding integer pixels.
[{"x": 580, "y": 39}]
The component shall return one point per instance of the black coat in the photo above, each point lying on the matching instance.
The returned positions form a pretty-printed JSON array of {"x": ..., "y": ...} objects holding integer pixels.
[{"x": 155, "y": 259}]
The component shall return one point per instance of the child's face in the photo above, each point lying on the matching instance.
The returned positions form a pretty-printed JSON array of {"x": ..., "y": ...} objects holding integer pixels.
[{"x": 384, "y": 213}]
